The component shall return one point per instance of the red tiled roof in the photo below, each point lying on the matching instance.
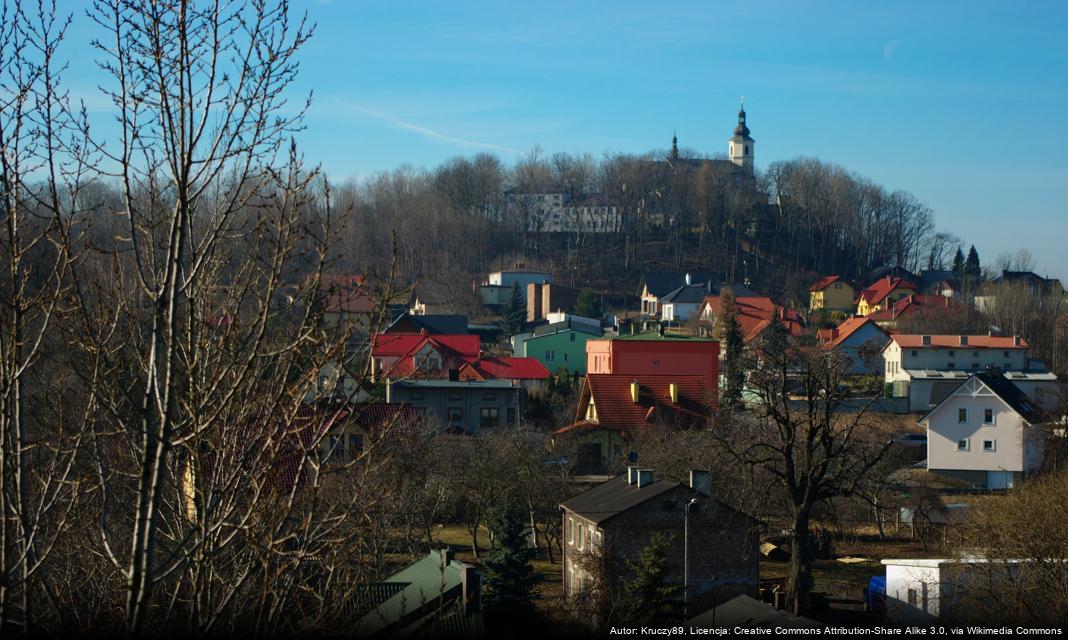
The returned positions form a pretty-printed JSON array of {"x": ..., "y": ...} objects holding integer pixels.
[
  {"x": 494, "y": 368},
  {"x": 831, "y": 338},
  {"x": 951, "y": 341},
  {"x": 883, "y": 287},
  {"x": 402, "y": 344},
  {"x": 617, "y": 411},
  {"x": 754, "y": 314},
  {"x": 914, "y": 304},
  {"x": 824, "y": 282}
]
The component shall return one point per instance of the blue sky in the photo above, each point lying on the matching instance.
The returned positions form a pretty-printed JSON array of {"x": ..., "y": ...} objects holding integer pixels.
[{"x": 963, "y": 103}]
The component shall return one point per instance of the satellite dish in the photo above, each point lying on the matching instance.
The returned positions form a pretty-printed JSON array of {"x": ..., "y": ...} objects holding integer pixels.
[{"x": 632, "y": 457}]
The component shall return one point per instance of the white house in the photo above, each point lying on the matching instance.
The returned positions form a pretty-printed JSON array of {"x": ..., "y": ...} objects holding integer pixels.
[
  {"x": 497, "y": 289},
  {"x": 921, "y": 590},
  {"x": 685, "y": 302},
  {"x": 914, "y": 363},
  {"x": 987, "y": 432}
]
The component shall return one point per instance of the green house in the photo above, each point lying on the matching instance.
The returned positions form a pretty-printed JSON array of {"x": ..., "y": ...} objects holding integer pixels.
[{"x": 561, "y": 345}]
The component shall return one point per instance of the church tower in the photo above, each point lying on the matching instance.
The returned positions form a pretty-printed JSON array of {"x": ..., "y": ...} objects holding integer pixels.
[{"x": 741, "y": 145}]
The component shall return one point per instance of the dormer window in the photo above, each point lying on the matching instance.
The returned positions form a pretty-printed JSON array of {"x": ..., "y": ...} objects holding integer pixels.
[
  {"x": 964, "y": 340},
  {"x": 926, "y": 340}
]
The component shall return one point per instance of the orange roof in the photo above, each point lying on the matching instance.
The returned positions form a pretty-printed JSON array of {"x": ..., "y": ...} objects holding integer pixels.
[
  {"x": 914, "y": 304},
  {"x": 616, "y": 410},
  {"x": 824, "y": 282},
  {"x": 883, "y": 287},
  {"x": 831, "y": 338},
  {"x": 950, "y": 341},
  {"x": 495, "y": 368}
]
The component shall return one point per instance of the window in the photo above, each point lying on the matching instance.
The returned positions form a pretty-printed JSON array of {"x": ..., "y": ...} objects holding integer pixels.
[
  {"x": 550, "y": 355},
  {"x": 572, "y": 340},
  {"x": 488, "y": 417},
  {"x": 952, "y": 353},
  {"x": 565, "y": 357},
  {"x": 355, "y": 443},
  {"x": 746, "y": 149},
  {"x": 962, "y": 416},
  {"x": 915, "y": 353},
  {"x": 1006, "y": 354},
  {"x": 975, "y": 365},
  {"x": 571, "y": 531},
  {"x": 962, "y": 445},
  {"x": 837, "y": 285},
  {"x": 456, "y": 414},
  {"x": 951, "y": 365},
  {"x": 581, "y": 537},
  {"x": 975, "y": 354},
  {"x": 988, "y": 416},
  {"x": 989, "y": 445}
]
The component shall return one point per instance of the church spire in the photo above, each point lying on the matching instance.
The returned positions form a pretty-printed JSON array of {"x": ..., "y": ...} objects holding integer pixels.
[
  {"x": 740, "y": 146},
  {"x": 674, "y": 145}
]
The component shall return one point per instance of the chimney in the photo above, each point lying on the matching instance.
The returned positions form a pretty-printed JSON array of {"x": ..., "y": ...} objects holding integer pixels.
[
  {"x": 673, "y": 391},
  {"x": 1016, "y": 340},
  {"x": 688, "y": 280},
  {"x": 471, "y": 581},
  {"x": 645, "y": 477},
  {"x": 634, "y": 388},
  {"x": 701, "y": 481},
  {"x": 632, "y": 475},
  {"x": 424, "y": 332}
]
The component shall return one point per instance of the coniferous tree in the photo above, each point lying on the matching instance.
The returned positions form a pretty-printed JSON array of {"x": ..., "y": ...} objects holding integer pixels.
[
  {"x": 972, "y": 269},
  {"x": 509, "y": 577},
  {"x": 515, "y": 312},
  {"x": 589, "y": 305},
  {"x": 958, "y": 263},
  {"x": 651, "y": 597}
]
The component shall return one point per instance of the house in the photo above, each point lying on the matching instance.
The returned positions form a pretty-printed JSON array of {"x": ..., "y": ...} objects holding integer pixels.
[
  {"x": 882, "y": 293},
  {"x": 345, "y": 299},
  {"x": 436, "y": 596},
  {"x": 925, "y": 589},
  {"x": 497, "y": 289},
  {"x": 558, "y": 210},
  {"x": 615, "y": 410},
  {"x": 831, "y": 293},
  {"x": 467, "y": 406},
  {"x": 1026, "y": 282},
  {"x": 545, "y": 298},
  {"x": 656, "y": 354},
  {"x": 421, "y": 355},
  {"x": 561, "y": 345},
  {"x": 684, "y": 302},
  {"x": 915, "y": 364},
  {"x": 917, "y": 307},
  {"x": 347, "y": 439},
  {"x": 433, "y": 324},
  {"x": 611, "y": 523},
  {"x": 939, "y": 282},
  {"x": 753, "y": 312},
  {"x": 523, "y": 372},
  {"x": 987, "y": 432},
  {"x": 860, "y": 340},
  {"x": 657, "y": 285}
]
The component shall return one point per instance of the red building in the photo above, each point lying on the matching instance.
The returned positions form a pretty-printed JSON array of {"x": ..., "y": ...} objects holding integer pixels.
[{"x": 650, "y": 354}]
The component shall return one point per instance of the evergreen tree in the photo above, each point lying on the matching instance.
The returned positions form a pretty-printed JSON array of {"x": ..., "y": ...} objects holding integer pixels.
[
  {"x": 651, "y": 597},
  {"x": 509, "y": 577},
  {"x": 515, "y": 312},
  {"x": 589, "y": 305},
  {"x": 972, "y": 269},
  {"x": 731, "y": 341},
  {"x": 958, "y": 263}
]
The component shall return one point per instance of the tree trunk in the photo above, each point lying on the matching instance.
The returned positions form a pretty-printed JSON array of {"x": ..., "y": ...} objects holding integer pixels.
[{"x": 799, "y": 583}]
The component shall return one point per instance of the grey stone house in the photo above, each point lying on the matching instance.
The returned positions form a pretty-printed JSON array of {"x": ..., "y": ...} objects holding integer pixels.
[
  {"x": 613, "y": 522},
  {"x": 461, "y": 405}
]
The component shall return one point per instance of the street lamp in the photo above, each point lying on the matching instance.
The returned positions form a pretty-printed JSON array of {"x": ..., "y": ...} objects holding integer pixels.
[{"x": 686, "y": 557}]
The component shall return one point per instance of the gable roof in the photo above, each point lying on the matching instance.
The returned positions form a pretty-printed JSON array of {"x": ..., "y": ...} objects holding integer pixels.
[
  {"x": 1009, "y": 393},
  {"x": 754, "y": 313},
  {"x": 402, "y": 344},
  {"x": 688, "y": 294},
  {"x": 617, "y": 411},
  {"x": 915, "y": 304},
  {"x": 563, "y": 327},
  {"x": 662, "y": 283},
  {"x": 423, "y": 586},
  {"x": 496, "y": 368},
  {"x": 832, "y": 338},
  {"x": 455, "y": 324},
  {"x": 612, "y": 497},
  {"x": 825, "y": 282},
  {"x": 883, "y": 287}
]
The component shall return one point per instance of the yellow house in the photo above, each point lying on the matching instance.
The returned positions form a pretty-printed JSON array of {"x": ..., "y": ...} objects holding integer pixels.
[
  {"x": 831, "y": 293},
  {"x": 885, "y": 292}
]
